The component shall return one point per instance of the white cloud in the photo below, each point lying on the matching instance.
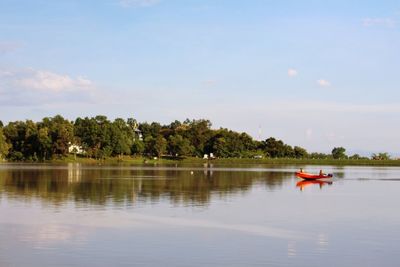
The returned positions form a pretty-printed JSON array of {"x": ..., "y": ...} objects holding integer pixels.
[
  {"x": 323, "y": 83},
  {"x": 23, "y": 87},
  {"x": 138, "y": 3},
  {"x": 292, "y": 72},
  {"x": 385, "y": 22},
  {"x": 51, "y": 82}
]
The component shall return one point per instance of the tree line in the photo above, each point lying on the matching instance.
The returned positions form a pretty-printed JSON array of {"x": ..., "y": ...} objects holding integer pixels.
[{"x": 100, "y": 138}]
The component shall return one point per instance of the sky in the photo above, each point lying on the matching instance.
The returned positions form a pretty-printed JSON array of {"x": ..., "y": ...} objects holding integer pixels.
[{"x": 318, "y": 74}]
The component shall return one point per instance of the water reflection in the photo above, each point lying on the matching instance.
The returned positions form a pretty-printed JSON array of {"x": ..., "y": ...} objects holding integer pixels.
[
  {"x": 306, "y": 183},
  {"x": 126, "y": 186}
]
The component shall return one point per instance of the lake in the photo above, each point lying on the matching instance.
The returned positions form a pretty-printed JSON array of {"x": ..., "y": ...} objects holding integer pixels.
[{"x": 197, "y": 215}]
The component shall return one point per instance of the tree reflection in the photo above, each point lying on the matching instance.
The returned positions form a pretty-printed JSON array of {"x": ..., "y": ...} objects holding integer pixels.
[{"x": 125, "y": 186}]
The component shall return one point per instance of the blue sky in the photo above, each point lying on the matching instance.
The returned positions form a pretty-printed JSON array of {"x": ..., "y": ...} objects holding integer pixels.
[{"x": 314, "y": 73}]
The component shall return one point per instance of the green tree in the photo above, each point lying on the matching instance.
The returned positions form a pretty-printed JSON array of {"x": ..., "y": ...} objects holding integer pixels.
[
  {"x": 44, "y": 143},
  {"x": 316, "y": 155},
  {"x": 339, "y": 153},
  {"x": 132, "y": 123},
  {"x": 138, "y": 147},
  {"x": 274, "y": 148},
  {"x": 381, "y": 156},
  {"x": 61, "y": 133},
  {"x": 179, "y": 146},
  {"x": 96, "y": 136},
  {"x": 4, "y": 146},
  {"x": 300, "y": 152},
  {"x": 152, "y": 129},
  {"x": 122, "y": 136},
  {"x": 22, "y": 136},
  {"x": 198, "y": 133},
  {"x": 120, "y": 144},
  {"x": 220, "y": 148},
  {"x": 226, "y": 143},
  {"x": 355, "y": 156},
  {"x": 160, "y": 145},
  {"x": 155, "y": 146}
]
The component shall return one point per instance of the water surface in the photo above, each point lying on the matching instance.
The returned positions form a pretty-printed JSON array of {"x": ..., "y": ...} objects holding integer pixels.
[{"x": 197, "y": 215}]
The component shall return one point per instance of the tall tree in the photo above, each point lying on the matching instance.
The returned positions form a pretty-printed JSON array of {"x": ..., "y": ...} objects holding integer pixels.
[
  {"x": 138, "y": 147},
  {"x": 300, "y": 152},
  {"x": 22, "y": 137},
  {"x": 4, "y": 146},
  {"x": 44, "y": 143},
  {"x": 198, "y": 132},
  {"x": 121, "y": 137},
  {"x": 155, "y": 146},
  {"x": 339, "y": 153},
  {"x": 61, "y": 132},
  {"x": 179, "y": 146},
  {"x": 95, "y": 135}
]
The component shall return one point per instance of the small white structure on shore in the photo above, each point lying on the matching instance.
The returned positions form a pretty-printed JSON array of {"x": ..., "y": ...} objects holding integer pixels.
[
  {"x": 211, "y": 156},
  {"x": 76, "y": 149}
]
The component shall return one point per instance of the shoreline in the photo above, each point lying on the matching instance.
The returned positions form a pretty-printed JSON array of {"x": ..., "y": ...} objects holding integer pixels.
[{"x": 227, "y": 161}]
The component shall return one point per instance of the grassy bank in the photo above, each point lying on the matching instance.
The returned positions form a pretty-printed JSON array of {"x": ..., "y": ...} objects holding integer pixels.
[
  {"x": 228, "y": 161},
  {"x": 334, "y": 162}
]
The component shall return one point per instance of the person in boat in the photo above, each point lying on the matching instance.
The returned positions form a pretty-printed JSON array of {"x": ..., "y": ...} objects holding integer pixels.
[
  {"x": 321, "y": 173},
  {"x": 301, "y": 169}
]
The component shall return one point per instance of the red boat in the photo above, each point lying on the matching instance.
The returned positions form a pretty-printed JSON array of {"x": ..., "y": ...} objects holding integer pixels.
[{"x": 310, "y": 176}]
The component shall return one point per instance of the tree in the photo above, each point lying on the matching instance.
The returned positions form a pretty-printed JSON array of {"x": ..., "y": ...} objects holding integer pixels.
[
  {"x": 355, "y": 156},
  {"x": 122, "y": 136},
  {"x": 300, "y": 152},
  {"x": 95, "y": 135},
  {"x": 179, "y": 146},
  {"x": 4, "y": 146},
  {"x": 61, "y": 133},
  {"x": 22, "y": 136},
  {"x": 155, "y": 146},
  {"x": 339, "y": 153},
  {"x": 138, "y": 147},
  {"x": 316, "y": 155},
  {"x": 44, "y": 143},
  {"x": 160, "y": 146},
  {"x": 226, "y": 143},
  {"x": 277, "y": 149},
  {"x": 120, "y": 144},
  {"x": 220, "y": 147},
  {"x": 132, "y": 123},
  {"x": 381, "y": 156},
  {"x": 152, "y": 129},
  {"x": 198, "y": 132}
]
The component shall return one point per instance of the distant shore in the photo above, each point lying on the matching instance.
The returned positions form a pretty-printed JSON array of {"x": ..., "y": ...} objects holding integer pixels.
[{"x": 228, "y": 161}]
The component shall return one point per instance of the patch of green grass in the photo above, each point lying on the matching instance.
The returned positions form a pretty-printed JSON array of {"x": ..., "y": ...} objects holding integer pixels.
[{"x": 229, "y": 161}]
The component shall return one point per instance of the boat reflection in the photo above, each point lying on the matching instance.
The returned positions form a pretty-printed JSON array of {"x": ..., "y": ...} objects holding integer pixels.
[{"x": 306, "y": 183}]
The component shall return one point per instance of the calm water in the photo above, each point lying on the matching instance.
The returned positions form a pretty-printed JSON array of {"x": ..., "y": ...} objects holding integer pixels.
[{"x": 82, "y": 215}]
